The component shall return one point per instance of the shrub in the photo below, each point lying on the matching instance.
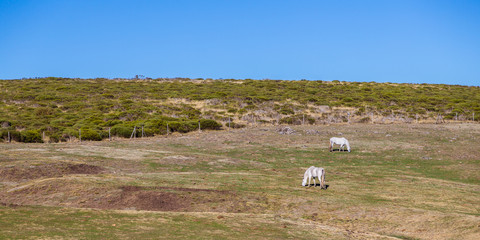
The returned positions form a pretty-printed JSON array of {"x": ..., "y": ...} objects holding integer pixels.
[
  {"x": 56, "y": 138},
  {"x": 121, "y": 131},
  {"x": 14, "y": 135},
  {"x": 107, "y": 95},
  {"x": 44, "y": 111},
  {"x": 210, "y": 124},
  {"x": 31, "y": 136},
  {"x": 191, "y": 113},
  {"x": 156, "y": 126},
  {"x": 112, "y": 123},
  {"x": 242, "y": 111},
  {"x": 364, "y": 120},
  {"x": 90, "y": 135},
  {"x": 286, "y": 110},
  {"x": 183, "y": 127},
  {"x": 311, "y": 120},
  {"x": 147, "y": 132},
  {"x": 289, "y": 121},
  {"x": 5, "y": 124}
]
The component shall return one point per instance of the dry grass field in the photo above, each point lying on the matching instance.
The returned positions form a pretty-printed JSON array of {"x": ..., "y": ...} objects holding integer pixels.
[{"x": 407, "y": 181}]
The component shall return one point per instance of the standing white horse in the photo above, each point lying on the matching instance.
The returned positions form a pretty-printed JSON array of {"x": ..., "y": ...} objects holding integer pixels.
[
  {"x": 314, "y": 172},
  {"x": 339, "y": 141}
]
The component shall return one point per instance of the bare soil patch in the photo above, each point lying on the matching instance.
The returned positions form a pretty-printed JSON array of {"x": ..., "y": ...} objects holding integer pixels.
[
  {"x": 174, "y": 199},
  {"x": 49, "y": 170},
  {"x": 137, "y": 198},
  {"x": 78, "y": 193}
]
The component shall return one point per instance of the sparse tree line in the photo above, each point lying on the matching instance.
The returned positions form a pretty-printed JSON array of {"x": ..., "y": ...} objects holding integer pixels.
[{"x": 32, "y": 110}]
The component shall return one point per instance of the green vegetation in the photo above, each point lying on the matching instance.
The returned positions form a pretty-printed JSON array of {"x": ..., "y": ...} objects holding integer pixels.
[{"x": 60, "y": 107}]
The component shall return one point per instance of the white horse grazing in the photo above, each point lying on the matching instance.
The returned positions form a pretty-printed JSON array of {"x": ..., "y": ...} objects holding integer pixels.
[
  {"x": 314, "y": 172},
  {"x": 339, "y": 141}
]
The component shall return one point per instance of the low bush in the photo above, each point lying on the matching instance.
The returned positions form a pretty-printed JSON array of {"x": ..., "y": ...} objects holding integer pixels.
[
  {"x": 31, "y": 136},
  {"x": 90, "y": 135},
  {"x": 121, "y": 131},
  {"x": 14, "y": 135},
  {"x": 364, "y": 120},
  {"x": 210, "y": 124},
  {"x": 183, "y": 127},
  {"x": 27, "y": 136}
]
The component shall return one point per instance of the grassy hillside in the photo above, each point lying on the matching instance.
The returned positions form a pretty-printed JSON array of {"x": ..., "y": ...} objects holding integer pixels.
[
  {"x": 401, "y": 181},
  {"x": 60, "y": 107}
]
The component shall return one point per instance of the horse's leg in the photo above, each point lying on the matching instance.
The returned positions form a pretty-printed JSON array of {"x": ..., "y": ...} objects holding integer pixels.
[
  {"x": 314, "y": 183},
  {"x": 322, "y": 180}
]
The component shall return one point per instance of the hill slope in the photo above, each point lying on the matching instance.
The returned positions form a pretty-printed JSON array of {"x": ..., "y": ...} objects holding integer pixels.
[{"x": 60, "y": 107}]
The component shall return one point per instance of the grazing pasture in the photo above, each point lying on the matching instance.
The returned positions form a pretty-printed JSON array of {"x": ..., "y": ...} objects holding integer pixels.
[{"x": 408, "y": 181}]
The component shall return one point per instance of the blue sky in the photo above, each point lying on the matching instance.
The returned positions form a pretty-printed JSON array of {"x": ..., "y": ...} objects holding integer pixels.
[{"x": 403, "y": 41}]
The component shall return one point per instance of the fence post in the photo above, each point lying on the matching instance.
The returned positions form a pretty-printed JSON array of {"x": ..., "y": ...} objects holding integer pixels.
[
  {"x": 142, "y": 132},
  {"x": 199, "y": 130},
  {"x": 440, "y": 118},
  {"x": 134, "y": 133},
  {"x": 8, "y": 138},
  {"x": 167, "y": 129},
  {"x": 43, "y": 136},
  {"x": 109, "y": 135}
]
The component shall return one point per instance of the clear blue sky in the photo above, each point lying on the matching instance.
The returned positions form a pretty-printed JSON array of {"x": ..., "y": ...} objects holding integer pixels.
[{"x": 413, "y": 41}]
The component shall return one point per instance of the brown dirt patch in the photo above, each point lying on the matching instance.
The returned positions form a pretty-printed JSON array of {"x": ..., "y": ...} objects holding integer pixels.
[
  {"x": 173, "y": 199},
  {"x": 133, "y": 197},
  {"x": 23, "y": 173},
  {"x": 74, "y": 192}
]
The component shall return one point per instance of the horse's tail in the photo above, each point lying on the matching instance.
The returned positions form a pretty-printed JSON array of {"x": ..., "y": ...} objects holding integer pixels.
[{"x": 330, "y": 145}]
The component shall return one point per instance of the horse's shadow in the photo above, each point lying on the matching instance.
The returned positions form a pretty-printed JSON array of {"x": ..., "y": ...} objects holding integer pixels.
[
  {"x": 318, "y": 185},
  {"x": 338, "y": 150}
]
